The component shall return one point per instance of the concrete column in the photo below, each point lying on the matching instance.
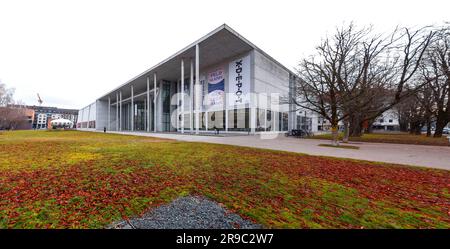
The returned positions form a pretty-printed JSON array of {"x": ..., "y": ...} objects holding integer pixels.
[
  {"x": 265, "y": 120},
  {"x": 132, "y": 108},
  {"x": 160, "y": 106},
  {"x": 191, "y": 97},
  {"x": 177, "y": 90},
  {"x": 197, "y": 89},
  {"x": 89, "y": 116},
  {"x": 276, "y": 120},
  {"x": 148, "y": 104},
  {"x": 109, "y": 113},
  {"x": 182, "y": 96},
  {"x": 126, "y": 116},
  {"x": 145, "y": 114},
  {"x": 120, "y": 111},
  {"x": 117, "y": 111},
  {"x": 226, "y": 119},
  {"x": 253, "y": 96},
  {"x": 253, "y": 113},
  {"x": 292, "y": 118},
  {"x": 206, "y": 117},
  {"x": 226, "y": 106},
  {"x": 154, "y": 102}
]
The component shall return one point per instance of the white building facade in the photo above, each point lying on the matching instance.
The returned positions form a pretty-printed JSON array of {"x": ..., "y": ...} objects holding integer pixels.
[
  {"x": 388, "y": 121},
  {"x": 220, "y": 82}
]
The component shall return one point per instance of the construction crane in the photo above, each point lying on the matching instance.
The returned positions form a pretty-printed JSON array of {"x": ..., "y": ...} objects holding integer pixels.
[{"x": 39, "y": 100}]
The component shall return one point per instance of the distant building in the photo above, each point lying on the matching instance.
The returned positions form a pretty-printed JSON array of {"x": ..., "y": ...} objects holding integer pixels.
[
  {"x": 44, "y": 114},
  {"x": 87, "y": 117},
  {"x": 30, "y": 117},
  {"x": 388, "y": 121}
]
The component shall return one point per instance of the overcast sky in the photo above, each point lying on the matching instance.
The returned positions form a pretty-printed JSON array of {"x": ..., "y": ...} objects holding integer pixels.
[{"x": 72, "y": 52}]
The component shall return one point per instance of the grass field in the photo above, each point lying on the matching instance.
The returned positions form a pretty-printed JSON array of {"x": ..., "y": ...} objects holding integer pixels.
[
  {"x": 396, "y": 138},
  {"x": 71, "y": 179}
]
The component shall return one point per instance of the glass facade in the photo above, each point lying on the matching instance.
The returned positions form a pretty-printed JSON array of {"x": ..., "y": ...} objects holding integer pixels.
[
  {"x": 271, "y": 115},
  {"x": 304, "y": 123},
  {"x": 283, "y": 121},
  {"x": 239, "y": 119},
  {"x": 216, "y": 120},
  {"x": 140, "y": 115},
  {"x": 165, "y": 99}
]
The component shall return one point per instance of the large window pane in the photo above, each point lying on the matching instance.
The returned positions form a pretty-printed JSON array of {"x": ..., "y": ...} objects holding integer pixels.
[
  {"x": 238, "y": 119},
  {"x": 216, "y": 120}
]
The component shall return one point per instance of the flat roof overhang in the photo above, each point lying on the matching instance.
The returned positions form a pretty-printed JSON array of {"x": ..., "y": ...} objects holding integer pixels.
[{"x": 221, "y": 44}]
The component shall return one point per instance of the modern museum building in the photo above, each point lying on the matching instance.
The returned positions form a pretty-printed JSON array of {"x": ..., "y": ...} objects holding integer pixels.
[{"x": 221, "y": 82}]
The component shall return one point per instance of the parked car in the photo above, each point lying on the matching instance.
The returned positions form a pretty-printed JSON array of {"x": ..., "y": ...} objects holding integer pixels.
[{"x": 446, "y": 130}]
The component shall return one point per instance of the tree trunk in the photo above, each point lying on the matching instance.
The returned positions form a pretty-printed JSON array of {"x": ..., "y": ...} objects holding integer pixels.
[
  {"x": 428, "y": 127},
  {"x": 356, "y": 131},
  {"x": 440, "y": 125},
  {"x": 414, "y": 127},
  {"x": 370, "y": 127},
  {"x": 355, "y": 128},
  {"x": 403, "y": 125},
  {"x": 411, "y": 128},
  {"x": 334, "y": 134},
  {"x": 346, "y": 131},
  {"x": 418, "y": 130}
]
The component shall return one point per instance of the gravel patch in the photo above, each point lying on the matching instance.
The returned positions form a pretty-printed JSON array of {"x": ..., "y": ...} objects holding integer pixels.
[{"x": 190, "y": 212}]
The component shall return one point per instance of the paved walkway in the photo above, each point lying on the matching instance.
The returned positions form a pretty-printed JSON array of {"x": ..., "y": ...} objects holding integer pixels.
[{"x": 418, "y": 155}]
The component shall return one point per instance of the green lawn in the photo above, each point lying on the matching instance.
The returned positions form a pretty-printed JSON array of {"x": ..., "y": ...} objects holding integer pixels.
[
  {"x": 396, "y": 138},
  {"x": 71, "y": 179}
]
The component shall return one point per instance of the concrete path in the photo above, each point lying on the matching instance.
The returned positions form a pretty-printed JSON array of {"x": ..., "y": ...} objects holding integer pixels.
[{"x": 418, "y": 155}]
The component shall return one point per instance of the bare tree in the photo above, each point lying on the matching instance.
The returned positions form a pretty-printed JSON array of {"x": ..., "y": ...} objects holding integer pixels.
[
  {"x": 356, "y": 75},
  {"x": 6, "y": 95},
  {"x": 436, "y": 73},
  {"x": 394, "y": 71},
  {"x": 416, "y": 111},
  {"x": 11, "y": 116},
  {"x": 323, "y": 84}
]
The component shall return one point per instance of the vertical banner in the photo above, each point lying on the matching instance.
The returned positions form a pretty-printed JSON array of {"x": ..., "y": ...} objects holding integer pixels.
[
  {"x": 216, "y": 87},
  {"x": 239, "y": 81}
]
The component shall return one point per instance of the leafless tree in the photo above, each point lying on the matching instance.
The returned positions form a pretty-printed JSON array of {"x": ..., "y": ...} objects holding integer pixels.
[
  {"x": 416, "y": 111},
  {"x": 436, "y": 73},
  {"x": 356, "y": 75},
  {"x": 323, "y": 84},
  {"x": 6, "y": 95},
  {"x": 11, "y": 116},
  {"x": 395, "y": 71}
]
